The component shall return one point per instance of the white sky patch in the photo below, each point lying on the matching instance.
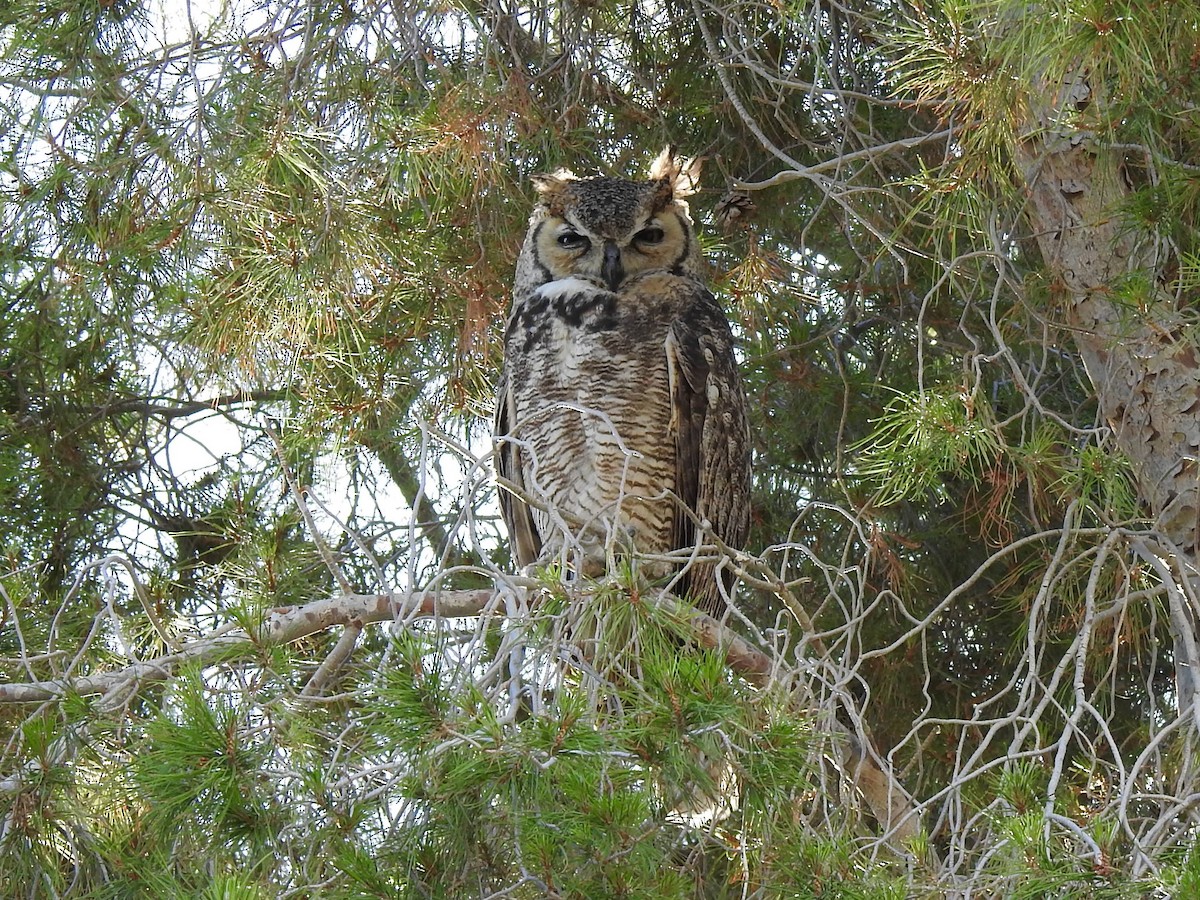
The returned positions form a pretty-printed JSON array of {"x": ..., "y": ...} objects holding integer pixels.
[
  {"x": 178, "y": 20},
  {"x": 196, "y": 448}
]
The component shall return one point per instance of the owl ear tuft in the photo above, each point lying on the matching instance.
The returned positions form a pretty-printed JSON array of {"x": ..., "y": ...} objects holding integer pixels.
[
  {"x": 681, "y": 174},
  {"x": 554, "y": 188},
  {"x": 548, "y": 181}
]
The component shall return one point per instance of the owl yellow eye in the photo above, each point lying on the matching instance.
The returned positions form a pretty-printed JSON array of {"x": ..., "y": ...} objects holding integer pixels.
[
  {"x": 572, "y": 240},
  {"x": 651, "y": 235}
]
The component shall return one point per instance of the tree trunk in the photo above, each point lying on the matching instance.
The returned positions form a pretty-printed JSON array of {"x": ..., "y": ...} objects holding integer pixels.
[{"x": 1140, "y": 353}]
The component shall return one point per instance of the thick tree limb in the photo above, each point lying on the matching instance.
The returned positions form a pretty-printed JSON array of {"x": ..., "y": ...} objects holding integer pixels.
[
  {"x": 281, "y": 626},
  {"x": 291, "y": 623}
]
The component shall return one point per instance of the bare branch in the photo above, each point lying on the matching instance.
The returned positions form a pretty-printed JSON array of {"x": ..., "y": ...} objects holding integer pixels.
[
  {"x": 334, "y": 661},
  {"x": 840, "y": 161},
  {"x": 280, "y": 626},
  {"x": 182, "y": 408}
]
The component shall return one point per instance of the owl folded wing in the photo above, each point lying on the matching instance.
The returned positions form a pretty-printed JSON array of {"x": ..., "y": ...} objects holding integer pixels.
[
  {"x": 711, "y": 435},
  {"x": 517, "y": 515}
]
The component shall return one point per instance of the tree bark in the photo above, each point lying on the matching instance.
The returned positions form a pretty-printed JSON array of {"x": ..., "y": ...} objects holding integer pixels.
[{"x": 1141, "y": 354}]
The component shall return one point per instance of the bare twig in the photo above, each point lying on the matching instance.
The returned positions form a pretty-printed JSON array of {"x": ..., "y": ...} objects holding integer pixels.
[
  {"x": 335, "y": 660},
  {"x": 840, "y": 161},
  {"x": 298, "y": 494}
]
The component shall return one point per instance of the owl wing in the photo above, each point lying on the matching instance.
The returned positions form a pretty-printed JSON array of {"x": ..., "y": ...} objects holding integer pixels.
[
  {"x": 517, "y": 515},
  {"x": 712, "y": 437}
]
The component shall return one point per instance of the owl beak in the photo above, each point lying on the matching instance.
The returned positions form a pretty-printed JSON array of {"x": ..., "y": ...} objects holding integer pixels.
[{"x": 611, "y": 269}]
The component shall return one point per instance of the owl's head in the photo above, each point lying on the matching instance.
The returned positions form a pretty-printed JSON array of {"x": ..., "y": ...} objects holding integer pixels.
[{"x": 609, "y": 230}]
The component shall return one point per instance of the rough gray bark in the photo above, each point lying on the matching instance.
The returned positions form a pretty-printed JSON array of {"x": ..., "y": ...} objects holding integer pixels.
[{"x": 1142, "y": 357}]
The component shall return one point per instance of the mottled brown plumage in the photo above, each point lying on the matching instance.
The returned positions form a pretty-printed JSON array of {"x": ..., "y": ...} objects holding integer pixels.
[{"x": 620, "y": 411}]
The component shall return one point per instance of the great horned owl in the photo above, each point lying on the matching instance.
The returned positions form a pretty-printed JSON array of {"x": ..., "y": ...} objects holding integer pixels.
[{"x": 621, "y": 413}]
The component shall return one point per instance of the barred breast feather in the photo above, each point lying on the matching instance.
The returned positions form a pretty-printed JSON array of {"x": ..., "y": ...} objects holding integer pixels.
[{"x": 623, "y": 414}]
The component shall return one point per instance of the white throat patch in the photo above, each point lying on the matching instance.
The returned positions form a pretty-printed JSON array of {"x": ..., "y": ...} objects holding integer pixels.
[{"x": 567, "y": 287}]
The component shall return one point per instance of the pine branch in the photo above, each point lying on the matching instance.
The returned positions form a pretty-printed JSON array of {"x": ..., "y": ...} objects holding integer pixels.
[
  {"x": 286, "y": 624},
  {"x": 889, "y": 802}
]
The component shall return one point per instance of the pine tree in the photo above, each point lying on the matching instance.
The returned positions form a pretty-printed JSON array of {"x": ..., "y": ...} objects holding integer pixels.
[{"x": 259, "y": 631}]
